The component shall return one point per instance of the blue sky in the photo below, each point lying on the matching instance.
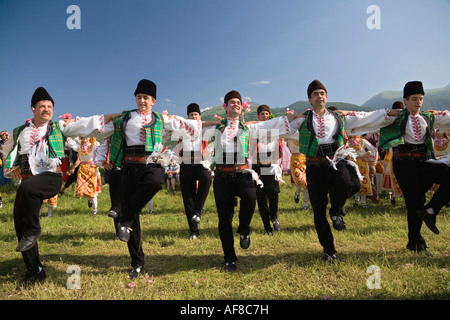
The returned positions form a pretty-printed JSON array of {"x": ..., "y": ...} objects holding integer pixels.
[{"x": 198, "y": 50}]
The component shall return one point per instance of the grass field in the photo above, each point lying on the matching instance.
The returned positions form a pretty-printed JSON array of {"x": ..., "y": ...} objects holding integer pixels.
[{"x": 285, "y": 266}]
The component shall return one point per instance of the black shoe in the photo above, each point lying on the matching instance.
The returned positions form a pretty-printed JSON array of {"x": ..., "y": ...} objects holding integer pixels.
[
  {"x": 123, "y": 233},
  {"x": 338, "y": 223},
  {"x": 195, "y": 218},
  {"x": 269, "y": 232},
  {"x": 245, "y": 241},
  {"x": 90, "y": 202},
  {"x": 193, "y": 236},
  {"x": 135, "y": 272},
  {"x": 419, "y": 249},
  {"x": 27, "y": 242},
  {"x": 429, "y": 219},
  {"x": 32, "y": 278},
  {"x": 276, "y": 225},
  {"x": 113, "y": 214},
  {"x": 330, "y": 257},
  {"x": 230, "y": 266}
]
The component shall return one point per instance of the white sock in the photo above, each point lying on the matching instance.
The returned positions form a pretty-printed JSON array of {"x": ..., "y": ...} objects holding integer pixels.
[{"x": 430, "y": 210}]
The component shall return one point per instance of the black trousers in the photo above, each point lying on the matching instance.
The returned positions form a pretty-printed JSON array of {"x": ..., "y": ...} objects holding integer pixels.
[
  {"x": 138, "y": 184},
  {"x": 340, "y": 184},
  {"x": 415, "y": 178},
  {"x": 267, "y": 197},
  {"x": 194, "y": 196},
  {"x": 114, "y": 193},
  {"x": 226, "y": 187},
  {"x": 29, "y": 198}
]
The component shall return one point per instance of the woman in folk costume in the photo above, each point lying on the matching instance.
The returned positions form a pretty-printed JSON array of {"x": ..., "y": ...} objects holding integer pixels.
[
  {"x": 89, "y": 181},
  {"x": 137, "y": 138},
  {"x": 441, "y": 149},
  {"x": 414, "y": 164},
  {"x": 441, "y": 144},
  {"x": 298, "y": 171},
  {"x": 33, "y": 155},
  {"x": 4, "y": 136},
  {"x": 51, "y": 203},
  {"x": 322, "y": 136},
  {"x": 365, "y": 152},
  {"x": 390, "y": 182},
  {"x": 232, "y": 178}
]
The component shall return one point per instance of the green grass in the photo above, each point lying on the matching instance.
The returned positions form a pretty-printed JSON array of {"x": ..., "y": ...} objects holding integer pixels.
[{"x": 287, "y": 265}]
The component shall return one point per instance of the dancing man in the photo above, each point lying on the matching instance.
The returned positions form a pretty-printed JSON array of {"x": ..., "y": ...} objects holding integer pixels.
[
  {"x": 33, "y": 156},
  {"x": 136, "y": 139},
  {"x": 195, "y": 177},
  {"x": 232, "y": 178},
  {"x": 321, "y": 134},
  {"x": 414, "y": 164},
  {"x": 266, "y": 152}
]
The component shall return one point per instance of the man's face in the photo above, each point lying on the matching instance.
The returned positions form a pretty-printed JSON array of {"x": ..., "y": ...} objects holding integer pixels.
[
  {"x": 43, "y": 111},
  {"x": 144, "y": 102},
  {"x": 264, "y": 115},
  {"x": 194, "y": 116},
  {"x": 413, "y": 103},
  {"x": 318, "y": 98},
  {"x": 234, "y": 107}
]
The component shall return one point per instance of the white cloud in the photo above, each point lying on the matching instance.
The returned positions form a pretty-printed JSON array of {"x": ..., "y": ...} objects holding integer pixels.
[{"x": 260, "y": 82}]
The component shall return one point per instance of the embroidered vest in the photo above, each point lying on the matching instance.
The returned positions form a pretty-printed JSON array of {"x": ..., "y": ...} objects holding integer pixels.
[
  {"x": 54, "y": 136},
  {"x": 241, "y": 139},
  {"x": 308, "y": 141},
  {"x": 153, "y": 135},
  {"x": 393, "y": 135}
]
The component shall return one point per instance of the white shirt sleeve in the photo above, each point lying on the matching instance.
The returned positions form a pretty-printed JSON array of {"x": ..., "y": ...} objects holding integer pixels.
[
  {"x": 359, "y": 123},
  {"x": 442, "y": 121},
  {"x": 183, "y": 128},
  {"x": 86, "y": 127},
  {"x": 280, "y": 123},
  {"x": 101, "y": 153},
  {"x": 296, "y": 123}
]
